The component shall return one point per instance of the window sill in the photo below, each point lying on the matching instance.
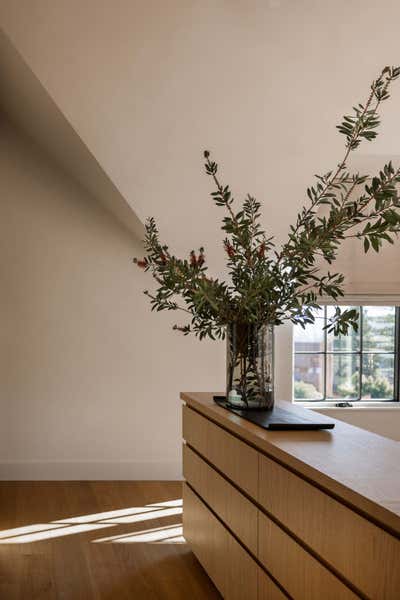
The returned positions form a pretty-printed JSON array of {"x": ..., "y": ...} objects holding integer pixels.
[{"x": 372, "y": 406}]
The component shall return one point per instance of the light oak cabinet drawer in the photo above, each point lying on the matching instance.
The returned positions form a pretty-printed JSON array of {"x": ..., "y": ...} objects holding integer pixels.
[
  {"x": 237, "y": 460},
  {"x": 232, "y": 570},
  {"x": 267, "y": 590},
  {"x": 302, "y": 575},
  {"x": 234, "y": 509},
  {"x": 364, "y": 554}
]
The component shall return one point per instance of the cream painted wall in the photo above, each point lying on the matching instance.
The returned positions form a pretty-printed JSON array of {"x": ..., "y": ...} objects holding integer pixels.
[
  {"x": 383, "y": 421},
  {"x": 89, "y": 378}
]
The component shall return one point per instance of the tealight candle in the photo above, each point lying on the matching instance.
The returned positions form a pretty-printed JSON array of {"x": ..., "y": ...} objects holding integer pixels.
[{"x": 234, "y": 398}]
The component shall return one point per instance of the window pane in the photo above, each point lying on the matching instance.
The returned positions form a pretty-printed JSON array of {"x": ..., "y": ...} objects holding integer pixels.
[
  {"x": 342, "y": 356},
  {"x": 343, "y": 343},
  {"x": 310, "y": 339},
  {"x": 378, "y": 328},
  {"x": 378, "y": 376},
  {"x": 308, "y": 376},
  {"x": 342, "y": 376}
]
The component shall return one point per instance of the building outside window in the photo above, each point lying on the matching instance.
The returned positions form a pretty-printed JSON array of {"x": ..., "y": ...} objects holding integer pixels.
[{"x": 362, "y": 366}]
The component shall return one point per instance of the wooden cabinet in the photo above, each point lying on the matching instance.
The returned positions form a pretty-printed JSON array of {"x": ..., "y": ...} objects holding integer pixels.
[
  {"x": 267, "y": 523},
  {"x": 303, "y": 576},
  {"x": 361, "y": 551},
  {"x": 236, "y": 511},
  {"x": 234, "y": 458},
  {"x": 267, "y": 590},
  {"x": 231, "y": 568}
]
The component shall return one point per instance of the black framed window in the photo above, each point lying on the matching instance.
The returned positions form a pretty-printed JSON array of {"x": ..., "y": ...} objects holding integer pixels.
[{"x": 362, "y": 366}]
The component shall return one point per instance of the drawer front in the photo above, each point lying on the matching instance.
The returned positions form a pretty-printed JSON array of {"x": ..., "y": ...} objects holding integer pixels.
[
  {"x": 234, "y": 458},
  {"x": 228, "y": 503},
  {"x": 267, "y": 590},
  {"x": 300, "y": 574},
  {"x": 232, "y": 570},
  {"x": 364, "y": 554}
]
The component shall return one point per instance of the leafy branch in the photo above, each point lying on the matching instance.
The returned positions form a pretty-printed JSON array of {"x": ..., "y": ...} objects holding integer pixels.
[{"x": 270, "y": 285}]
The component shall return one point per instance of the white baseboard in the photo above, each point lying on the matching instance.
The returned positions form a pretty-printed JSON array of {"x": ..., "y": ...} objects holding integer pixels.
[{"x": 64, "y": 470}]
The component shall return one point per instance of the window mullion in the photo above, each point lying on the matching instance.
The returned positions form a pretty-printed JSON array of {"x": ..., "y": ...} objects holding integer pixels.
[
  {"x": 361, "y": 352},
  {"x": 325, "y": 348},
  {"x": 397, "y": 353}
]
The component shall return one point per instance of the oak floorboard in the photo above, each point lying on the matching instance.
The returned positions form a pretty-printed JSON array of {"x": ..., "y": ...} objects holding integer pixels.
[{"x": 90, "y": 555}]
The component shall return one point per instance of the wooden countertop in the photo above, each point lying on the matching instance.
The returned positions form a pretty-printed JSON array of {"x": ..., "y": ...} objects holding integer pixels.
[{"x": 357, "y": 467}]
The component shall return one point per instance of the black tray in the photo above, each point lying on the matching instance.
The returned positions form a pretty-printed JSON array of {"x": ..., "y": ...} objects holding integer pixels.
[{"x": 275, "y": 419}]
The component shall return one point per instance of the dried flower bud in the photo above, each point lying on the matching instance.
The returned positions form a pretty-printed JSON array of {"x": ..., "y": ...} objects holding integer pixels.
[
  {"x": 229, "y": 249},
  {"x": 206, "y": 154},
  {"x": 141, "y": 263},
  {"x": 261, "y": 250},
  {"x": 193, "y": 259}
]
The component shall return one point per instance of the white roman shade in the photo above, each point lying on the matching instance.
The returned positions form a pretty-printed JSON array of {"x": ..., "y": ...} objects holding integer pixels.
[{"x": 370, "y": 278}]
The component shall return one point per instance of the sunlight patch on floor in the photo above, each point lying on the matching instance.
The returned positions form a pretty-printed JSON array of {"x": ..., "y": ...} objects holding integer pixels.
[
  {"x": 112, "y": 514},
  {"x": 159, "y": 535},
  {"x": 87, "y": 523},
  {"x": 49, "y": 534},
  {"x": 6, "y": 533},
  {"x": 162, "y": 512}
]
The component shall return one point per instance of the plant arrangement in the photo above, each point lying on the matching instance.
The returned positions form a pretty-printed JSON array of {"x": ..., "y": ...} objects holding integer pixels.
[{"x": 267, "y": 284}]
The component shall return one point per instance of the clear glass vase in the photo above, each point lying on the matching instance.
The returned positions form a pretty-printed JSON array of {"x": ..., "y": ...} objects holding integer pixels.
[{"x": 250, "y": 365}]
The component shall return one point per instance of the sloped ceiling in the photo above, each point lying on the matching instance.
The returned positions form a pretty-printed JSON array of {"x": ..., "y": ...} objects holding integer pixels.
[{"x": 27, "y": 104}]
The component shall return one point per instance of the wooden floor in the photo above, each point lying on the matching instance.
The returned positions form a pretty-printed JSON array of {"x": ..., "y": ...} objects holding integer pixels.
[{"x": 96, "y": 540}]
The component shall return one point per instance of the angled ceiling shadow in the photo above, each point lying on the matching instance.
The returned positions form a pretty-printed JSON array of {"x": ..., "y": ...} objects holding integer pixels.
[{"x": 28, "y": 105}]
